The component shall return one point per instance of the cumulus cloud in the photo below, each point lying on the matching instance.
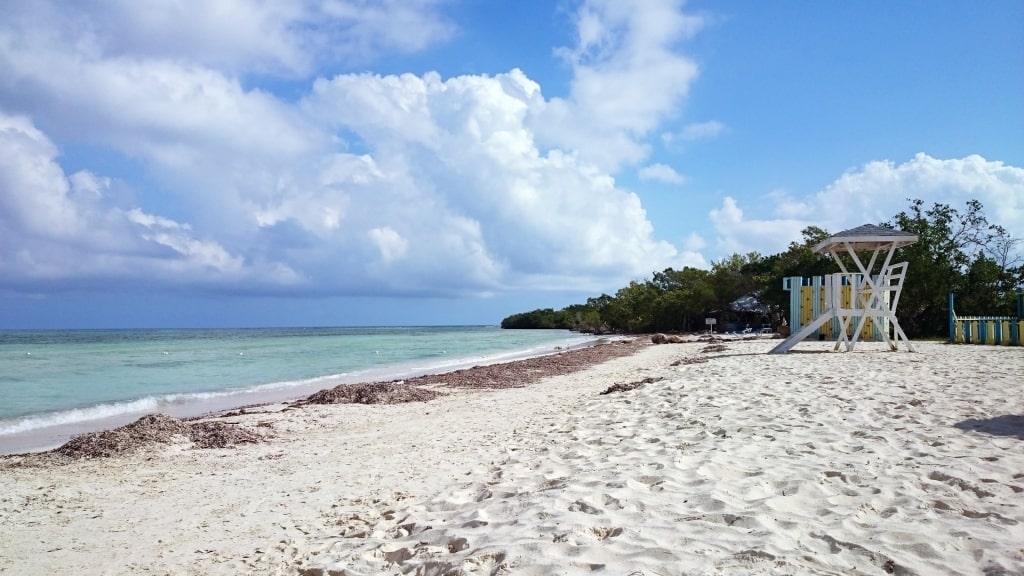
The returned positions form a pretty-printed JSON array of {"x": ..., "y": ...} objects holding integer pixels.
[
  {"x": 364, "y": 184},
  {"x": 55, "y": 227},
  {"x": 627, "y": 79},
  {"x": 661, "y": 173},
  {"x": 391, "y": 244},
  {"x": 455, "y": 155},
  {"x": 872, "y": 194}
]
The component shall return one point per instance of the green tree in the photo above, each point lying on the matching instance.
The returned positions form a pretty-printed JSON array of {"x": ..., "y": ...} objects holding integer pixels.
[
  {"x": 987, "y": 289},
  {"x": 583, "y": 318},
  {"x": 545, "y": 318},
  {"x": 732, "y": 278},
  {"x": 685, "y": 297},
  {"x": 636, "y": 306},
  {"x": 949, "y": 256}
]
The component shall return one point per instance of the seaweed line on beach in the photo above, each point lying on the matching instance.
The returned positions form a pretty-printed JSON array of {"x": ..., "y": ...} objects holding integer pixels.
[
  {"x": 531, "y": 370},
  {"x": 492, "y": 376}
]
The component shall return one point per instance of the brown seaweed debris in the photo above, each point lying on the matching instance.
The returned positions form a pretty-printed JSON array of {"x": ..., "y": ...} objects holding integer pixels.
[
  {"x": 689, "y": 360},
  {"x": 626, "y": 387},
  {"x": 221, "y": 435},
  {"x": 155, "y": 429},
  {"x": 514, "y": 374},
  {"x": 370, "y": 393},
  {"x": 531, "y": 370},
  {"x": 714, "y": 348}
]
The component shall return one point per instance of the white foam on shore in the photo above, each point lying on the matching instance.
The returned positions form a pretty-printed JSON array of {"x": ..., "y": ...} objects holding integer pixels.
[{"x": 76, "y": 415}]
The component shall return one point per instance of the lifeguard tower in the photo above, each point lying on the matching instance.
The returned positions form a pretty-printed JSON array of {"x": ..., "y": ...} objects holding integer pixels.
[{"x": 870, "y": 296}]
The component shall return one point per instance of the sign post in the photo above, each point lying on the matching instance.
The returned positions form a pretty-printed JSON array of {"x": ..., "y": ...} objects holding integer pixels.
[{"x": 711, "y": 324}]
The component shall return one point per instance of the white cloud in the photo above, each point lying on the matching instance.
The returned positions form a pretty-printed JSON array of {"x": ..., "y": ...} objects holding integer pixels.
[
  {"x": 738, "y": 234},
  {"x": 694, "y": 242},
  {"x": 875, "y": 193},
  {"x": 65, "y": 228},
  {"x": 390, "y": 244},
  {"x": 661, "y": 173},
  {"x": 34, "y": 195},
  {"x": 237, "y": 36},
  {"x": 456, "y": 155},
  {"x": 882, "y": 188},
  {"x": 699, "y": 131},
  {"x": 365, "y": 184},
  {"x": 627, "y": 80}
]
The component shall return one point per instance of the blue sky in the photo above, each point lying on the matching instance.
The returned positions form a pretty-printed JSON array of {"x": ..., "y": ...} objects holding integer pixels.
[{"x": 350, "y": 162}]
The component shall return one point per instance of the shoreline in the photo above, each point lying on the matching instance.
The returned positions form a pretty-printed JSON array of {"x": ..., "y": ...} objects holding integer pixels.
[
  {"x": 49, "y": 437},
  {"x": 703, "y": 459}
]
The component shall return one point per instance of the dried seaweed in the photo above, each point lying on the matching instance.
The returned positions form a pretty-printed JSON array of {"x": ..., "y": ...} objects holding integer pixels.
[
  {"x": 155, "y": 429},
  {"x": 689, "y": 360},
  {"x": 531, "y": 370},
  {"x": 626, "y": 387},
  {"x": 506, "y": 375},
  {"x": 714, "y": 348},
  {"x": 213, "y": 434},
  {"x": 370, "y": 393}
]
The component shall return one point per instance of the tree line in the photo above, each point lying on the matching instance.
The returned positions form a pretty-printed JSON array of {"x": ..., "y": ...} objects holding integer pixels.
[{"x": 957, "y": 251}]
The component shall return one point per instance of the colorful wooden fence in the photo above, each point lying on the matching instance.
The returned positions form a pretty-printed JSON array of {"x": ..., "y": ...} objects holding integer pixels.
[
  {"x": 807, "y": 301},
  {"x": 993, "y": 330}
]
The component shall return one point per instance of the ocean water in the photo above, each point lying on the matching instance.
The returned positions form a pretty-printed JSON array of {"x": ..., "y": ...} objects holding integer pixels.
[{"x": 55, "y": 383}]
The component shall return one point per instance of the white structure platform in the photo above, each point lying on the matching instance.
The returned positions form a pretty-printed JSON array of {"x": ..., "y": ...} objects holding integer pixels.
[{"x": 873, "y": 296}]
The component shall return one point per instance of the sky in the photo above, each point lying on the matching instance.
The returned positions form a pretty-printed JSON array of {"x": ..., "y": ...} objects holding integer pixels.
[{"x": 427, "y": 162}]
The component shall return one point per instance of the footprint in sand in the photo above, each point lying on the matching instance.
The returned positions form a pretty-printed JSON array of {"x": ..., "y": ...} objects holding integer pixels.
[{"x": 581, "y": 506}]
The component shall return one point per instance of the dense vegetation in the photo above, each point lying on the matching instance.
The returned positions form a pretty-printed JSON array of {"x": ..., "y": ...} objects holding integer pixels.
[{"x": 958, "y": 251}]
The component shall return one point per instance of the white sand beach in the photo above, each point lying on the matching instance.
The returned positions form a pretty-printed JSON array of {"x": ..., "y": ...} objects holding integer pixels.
[{"x": 721, "y": 461}]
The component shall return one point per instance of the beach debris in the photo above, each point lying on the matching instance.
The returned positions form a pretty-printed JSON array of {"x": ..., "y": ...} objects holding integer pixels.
[
  {"x": 208, "y": 434},
  {"x": 714, "y": 348},
  {"x": 660, "y": 338},
  {"x": 370, "y": 393},
  {"x": 531, "y": 370},
  {"x": 689, "y": 360},
  {"x": 626, "y": 387},
  {"x": 491, "y": 376},
  {"x": 155, "y": 429}
]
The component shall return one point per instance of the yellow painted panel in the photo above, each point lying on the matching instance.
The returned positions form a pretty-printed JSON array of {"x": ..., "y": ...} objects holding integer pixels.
[{"x": 806, "y": 305}]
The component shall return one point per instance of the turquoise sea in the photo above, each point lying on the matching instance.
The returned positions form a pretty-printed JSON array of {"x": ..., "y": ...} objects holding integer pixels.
[{"x": 55, "y": 383}]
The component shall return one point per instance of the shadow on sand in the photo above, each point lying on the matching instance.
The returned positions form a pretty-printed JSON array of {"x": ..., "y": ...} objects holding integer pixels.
[{"x": 1007, "y": 425}]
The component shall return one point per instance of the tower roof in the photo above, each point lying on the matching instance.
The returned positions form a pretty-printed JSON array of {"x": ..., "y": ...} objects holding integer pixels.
[{"x": 867, "y": 237}]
